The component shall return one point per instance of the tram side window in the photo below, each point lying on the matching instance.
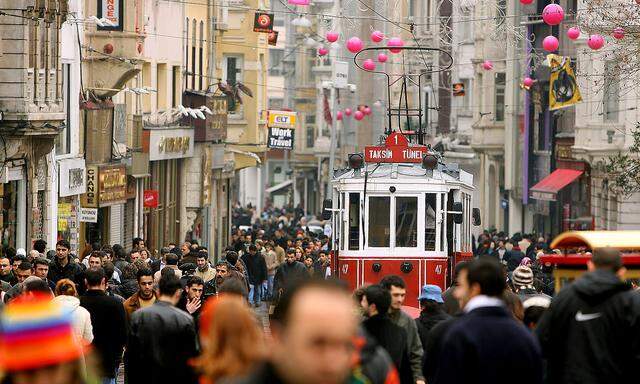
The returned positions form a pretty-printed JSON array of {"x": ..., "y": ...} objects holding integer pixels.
[
  {"x": 430, "y": 222},
  {"x": 354, "y": 221},
  {"x": 406, "y": 221},
  {"x": 379, "y": 222}
]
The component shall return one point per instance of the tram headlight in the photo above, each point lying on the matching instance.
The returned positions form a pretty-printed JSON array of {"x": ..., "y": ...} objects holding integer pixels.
[
  {"x": 429, "y": 161},
  {"x": 356, "y": 161}
]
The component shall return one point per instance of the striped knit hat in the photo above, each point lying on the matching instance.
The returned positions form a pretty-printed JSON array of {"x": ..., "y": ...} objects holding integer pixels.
[
  {"x": 522, "y": 277},
  {"x": 35, "y": 332}
]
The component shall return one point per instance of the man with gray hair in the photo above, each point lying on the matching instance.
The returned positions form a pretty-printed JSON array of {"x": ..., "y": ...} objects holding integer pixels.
[{"x": 591, "y": 331}]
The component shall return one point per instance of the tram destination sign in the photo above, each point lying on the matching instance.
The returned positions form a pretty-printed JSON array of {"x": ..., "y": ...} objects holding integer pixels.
[{"x": 396, "y": 149}]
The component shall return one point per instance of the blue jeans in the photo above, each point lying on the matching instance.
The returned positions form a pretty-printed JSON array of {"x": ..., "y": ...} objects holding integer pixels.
[
  {"x": 267, "y": 288},
  {"x": 255, "y": 291}
]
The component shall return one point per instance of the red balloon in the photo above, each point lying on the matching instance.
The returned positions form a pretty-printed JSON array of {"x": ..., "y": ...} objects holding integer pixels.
[{"x": 358, "y": 115}]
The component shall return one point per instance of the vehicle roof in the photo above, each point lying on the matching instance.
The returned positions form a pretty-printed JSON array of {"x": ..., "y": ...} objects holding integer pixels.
[
  {"x": 407, "y": 171},
  {"x": 622, "y": 240}
]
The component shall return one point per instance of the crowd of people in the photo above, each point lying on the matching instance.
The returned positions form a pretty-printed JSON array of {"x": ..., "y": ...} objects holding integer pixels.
[{"x": 183, "y": 318}]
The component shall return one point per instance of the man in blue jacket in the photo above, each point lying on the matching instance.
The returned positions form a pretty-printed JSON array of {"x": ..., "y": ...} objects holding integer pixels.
[{"x": 487, "y": 345}]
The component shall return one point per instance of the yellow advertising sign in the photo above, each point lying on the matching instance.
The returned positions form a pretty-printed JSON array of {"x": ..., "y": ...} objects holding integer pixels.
[
  {"x": 563, "y": 87},
  {"x": 282, "y": 119}
]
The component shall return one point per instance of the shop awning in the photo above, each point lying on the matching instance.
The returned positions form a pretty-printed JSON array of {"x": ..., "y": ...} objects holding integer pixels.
[
  {"x": 548, "y": 188},
  {"x": 243, "y": 159},
  {"x": 280, "y": 186}
]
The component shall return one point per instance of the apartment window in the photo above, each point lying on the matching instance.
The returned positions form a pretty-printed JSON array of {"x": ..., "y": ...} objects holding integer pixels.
[
  {"x": 194, "y": 28},
  {"x": 311, "y": 62},
  {"x": 310, "y": 127},
  {"x": 466, "y": 27},
  {"x": 63, "y": 140},
  {"x": 276, "y": 56},
  {"x": 233, "y": 73},
  {"x": 146, "y": 82},
  {"x": 611, "y": 92},
  {"x": 501, "y": 11},
  {"x": 465, "y": 101},
  {"x": 201, "y": 56},
  {"x": 176, "y": 89},
  {"x": 500, "y": 85}
]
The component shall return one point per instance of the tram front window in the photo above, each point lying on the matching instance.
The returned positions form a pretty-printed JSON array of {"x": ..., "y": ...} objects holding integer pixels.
[
  {"x": 406, "y": 221},
  {"x": 354, "y": 221},
  {"x": 379, "y": 222},
  {"x": 430, "y": 222}
]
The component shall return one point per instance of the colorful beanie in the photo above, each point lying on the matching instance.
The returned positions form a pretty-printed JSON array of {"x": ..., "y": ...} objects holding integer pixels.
[{"x": 36, "y": 332}]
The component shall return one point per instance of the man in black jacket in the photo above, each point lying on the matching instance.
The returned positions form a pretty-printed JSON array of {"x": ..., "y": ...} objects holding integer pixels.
[
  {"x": 108, "y": 320},
  {"x": 289, "y": 272},
  {"x": 486, "y": 345},
  {"x": 162, "y": 340},
  {"x": 257, "y": 271},
  {"x": 376, "y": 302},
  {"x": 63, "y": 267},
  {"x": 591, "y": 332}
]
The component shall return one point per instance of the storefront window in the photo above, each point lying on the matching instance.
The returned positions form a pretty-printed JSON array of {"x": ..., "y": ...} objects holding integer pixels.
[
  {"x": 406, "y": 221},
  {"x": 379, "y": 223}
]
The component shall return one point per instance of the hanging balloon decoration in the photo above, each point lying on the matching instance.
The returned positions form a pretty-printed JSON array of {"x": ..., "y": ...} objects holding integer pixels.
[
  {"x": 527, "y": 82},
  {"x": 553, "y": 14},
  {"x": 332, "y": 37},
  {"x": 354, "y": 44},
  {"x": 573, "y": 33},
  {"x": 377, "y": 36},
  {"x": 618, "y": 33},
  {"x": 322, "y": 51},
  {"x": 367, "y": 110},
  {"x": 369, "y": 65},
  {"x": 487, "y": 65},
  {"x": 595, "y": 42},
  {"x": 526, "y": 2},
  {"x": 339, "y": 115},
  {"x": 550, "y": 43},
  {"x": 347, "y": 111},
  {"x": 395, "y": 42},
  {"x": 358, "y": 115},
  {"x": 382, "y": 57}
]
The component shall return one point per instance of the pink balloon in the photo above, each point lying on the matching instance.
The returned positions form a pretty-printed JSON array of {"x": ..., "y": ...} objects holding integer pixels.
[
  {"x": 354, "y": 44},
  {"x": 377, "y": 36},
  {"x": 487, "y": 65},
  {"x": 573, "y": 33},
  {"x": 369, "y": 65},
  {"x": 526, "y": 2},
  {"x": 595, "y": 42},
  {"x": 323, "y": 51},
  {"x": 395, "y": 42},
  {"x": 553, "y": 14},
  {"x": 332, "y": 37},
  {"x": 550, "y": 43},
  {"x": 339, "y": 115},
  {"x": 358, "y": 115},
  {"x": 367, "y": 111},
  {"x": 528, "y": 82},
  {"x": 382, "y": 57},
  {"x": 618, "y": 33},
  {"x": 347, "y": 111}
]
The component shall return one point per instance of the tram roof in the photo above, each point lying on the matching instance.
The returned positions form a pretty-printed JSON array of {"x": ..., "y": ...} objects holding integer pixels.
[{"x": 395, "y": 171}]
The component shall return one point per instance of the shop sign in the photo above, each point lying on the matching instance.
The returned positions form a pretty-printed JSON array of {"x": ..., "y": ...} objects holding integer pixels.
[
  {"x": 71, "y": 177},
  {"x": 88, "y": 215},
  {"x": 282, "y": 119},
  {"x": 150, "y": 198},
  {"x": 340, "y": 74},
  {"x": 165, "y": 144},
  {"x": 64, "y": 213},
  {"x": 263, "y": 22},
  {"x": 112, "y": 186},
  {"x": 90, "y": 198},
  {"x": 395, "y": 150},
  {"x": 112, "y": 11},
  {"x": 280, "y": 138}
]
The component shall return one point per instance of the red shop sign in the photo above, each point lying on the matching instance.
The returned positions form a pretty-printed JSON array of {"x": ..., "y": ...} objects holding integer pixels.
[
  {"x": 151, "y": 198},
  {"x": 396, "y": 149}
]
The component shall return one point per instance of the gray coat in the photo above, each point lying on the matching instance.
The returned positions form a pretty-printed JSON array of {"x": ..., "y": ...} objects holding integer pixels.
[{"x": 403, "y": 320}]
